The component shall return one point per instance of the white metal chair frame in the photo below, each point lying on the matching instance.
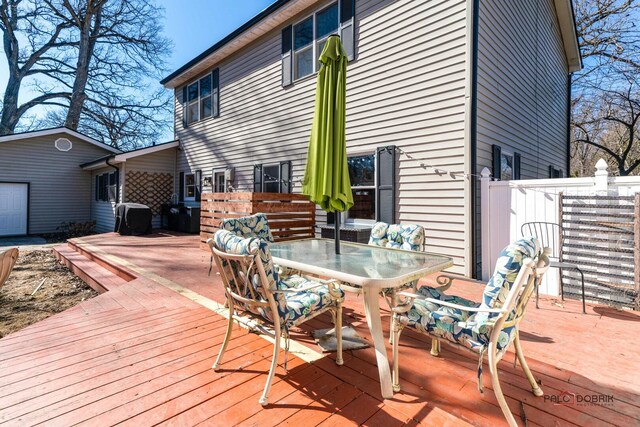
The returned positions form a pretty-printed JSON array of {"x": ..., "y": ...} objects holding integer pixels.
[
  {"x": 8, "y": 260},
  {"x": 528, "y": 279},
  {"x": 238, "y": 283}
]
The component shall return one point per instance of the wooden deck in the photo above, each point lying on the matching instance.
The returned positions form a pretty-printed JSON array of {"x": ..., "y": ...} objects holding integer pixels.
[{"x": 141, "y": 354}]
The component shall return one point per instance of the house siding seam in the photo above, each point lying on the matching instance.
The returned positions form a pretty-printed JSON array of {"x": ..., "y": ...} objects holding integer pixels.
[
  {"x": 405, "y": 88},
  {"x": 60, "y": 190},
  {"x": 522, "y": 91}
]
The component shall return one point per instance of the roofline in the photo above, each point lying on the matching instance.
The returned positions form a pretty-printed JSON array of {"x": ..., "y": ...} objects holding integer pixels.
[
  {"x": 567, "y": 20},
  {"x": 53, "y": 131},
  {"x": 244, "y": 27},
  {"x": 123, "y": 157}
]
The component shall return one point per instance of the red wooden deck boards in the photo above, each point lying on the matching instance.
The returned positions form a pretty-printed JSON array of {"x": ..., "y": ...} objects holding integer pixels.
[{"x": 141, "y": 354}]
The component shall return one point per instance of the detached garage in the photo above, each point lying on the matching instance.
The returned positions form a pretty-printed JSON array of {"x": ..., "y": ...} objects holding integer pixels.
[{"x": 41, "y": 182}]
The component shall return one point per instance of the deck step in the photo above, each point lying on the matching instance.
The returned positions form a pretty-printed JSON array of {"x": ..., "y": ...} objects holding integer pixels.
[
  {"x": 93, "y": 274},
  {"x": 119, "y": 270}
]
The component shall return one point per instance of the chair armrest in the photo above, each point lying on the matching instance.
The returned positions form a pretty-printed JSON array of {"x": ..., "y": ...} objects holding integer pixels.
[
  {"x": 318, "y": 284},
  {"x": 452, "y": 305}
]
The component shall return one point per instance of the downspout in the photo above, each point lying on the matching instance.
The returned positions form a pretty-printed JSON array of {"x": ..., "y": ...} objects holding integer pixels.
[
  {"x": 117, "y": 180},
  {"x": 569, "y": 80}
]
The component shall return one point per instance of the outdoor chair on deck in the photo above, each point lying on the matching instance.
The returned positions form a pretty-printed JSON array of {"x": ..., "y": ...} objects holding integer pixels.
[
  {"x": 486, "y": 327},
  {"x": 8, "y": 259},
  {"x": 254, "y": 286},
  {"x": 551, "y": 235}
]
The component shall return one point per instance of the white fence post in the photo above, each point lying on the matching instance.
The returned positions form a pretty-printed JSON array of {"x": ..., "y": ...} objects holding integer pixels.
[
  {"x": 485, "y": 214},
  {"x": 601, "y": 177}
]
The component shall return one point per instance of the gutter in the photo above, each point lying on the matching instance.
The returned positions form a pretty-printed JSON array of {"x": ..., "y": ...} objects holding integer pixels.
[{"x": 117, "y": 179}]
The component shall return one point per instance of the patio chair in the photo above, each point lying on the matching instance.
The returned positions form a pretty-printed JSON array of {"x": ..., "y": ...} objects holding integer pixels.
[
  {"x": 551, "y": 235},
  {"x": 254, "y": 286},
  {"x": 486, "y": 327},
  {"x": 8, "y": 260}
]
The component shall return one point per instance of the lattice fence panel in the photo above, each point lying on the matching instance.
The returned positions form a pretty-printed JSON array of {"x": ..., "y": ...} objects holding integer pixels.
[{"x": 149, "y": 188}]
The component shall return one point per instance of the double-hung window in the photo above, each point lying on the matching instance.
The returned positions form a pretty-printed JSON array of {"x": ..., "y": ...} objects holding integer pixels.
[
  {"x": 302, "y": 43},
  {"x": 189, "y": 186},
  {"x": 201, "y": 98},
  {"x": 272, "y": 177},
  {"x": 362, "y": 173},
  {"x": 106, "y": 187},
  {"x": 506, "y": 165}
]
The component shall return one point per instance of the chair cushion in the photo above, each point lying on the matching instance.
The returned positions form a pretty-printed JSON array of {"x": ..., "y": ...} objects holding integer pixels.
[
  {"x": 398, "y": 236},
  {"x": 444, "y": 322},
  {"x": 249, "y": 226},
  {"x": 293, "y": 308},
  {"x": 299, "y": 306}
]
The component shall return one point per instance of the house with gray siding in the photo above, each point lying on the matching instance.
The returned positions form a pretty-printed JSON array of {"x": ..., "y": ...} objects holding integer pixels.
[
  {"x": 436, "y": 91},
  {"x": 57, "y": 176}
]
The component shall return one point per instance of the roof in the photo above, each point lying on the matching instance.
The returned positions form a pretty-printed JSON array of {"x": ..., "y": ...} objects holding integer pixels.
[
  {"x": 268, "y": 20},
  {"x": 251, "y": 30},
  {"x": 123, "y": 157},
  {"x": 53, "y": 131}
]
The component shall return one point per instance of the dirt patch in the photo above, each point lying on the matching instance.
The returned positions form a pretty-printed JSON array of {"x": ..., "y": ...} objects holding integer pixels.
[{"x": 60, "y": 291}]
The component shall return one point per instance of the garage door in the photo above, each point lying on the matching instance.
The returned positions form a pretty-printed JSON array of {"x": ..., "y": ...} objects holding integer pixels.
[{"x": 13, "y": 209}]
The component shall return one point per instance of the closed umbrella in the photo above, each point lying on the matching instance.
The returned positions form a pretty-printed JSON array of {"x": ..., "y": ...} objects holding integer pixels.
[{"x": 326, "y": 177}]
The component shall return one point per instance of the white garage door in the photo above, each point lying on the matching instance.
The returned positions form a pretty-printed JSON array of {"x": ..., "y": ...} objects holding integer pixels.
[{"x": 13, "y": 209}]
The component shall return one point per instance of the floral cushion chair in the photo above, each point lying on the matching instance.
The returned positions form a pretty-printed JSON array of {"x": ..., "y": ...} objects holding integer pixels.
[
  {"x": 253, "y": 285},
  {"x": 489, "y": 326}
]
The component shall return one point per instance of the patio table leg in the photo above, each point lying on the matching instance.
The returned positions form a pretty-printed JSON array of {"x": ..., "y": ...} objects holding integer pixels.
[{"x": 372, "y": 311}]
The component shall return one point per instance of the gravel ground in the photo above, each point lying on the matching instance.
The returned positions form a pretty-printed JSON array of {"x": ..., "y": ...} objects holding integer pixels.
[{"x": 61, "y": 290}]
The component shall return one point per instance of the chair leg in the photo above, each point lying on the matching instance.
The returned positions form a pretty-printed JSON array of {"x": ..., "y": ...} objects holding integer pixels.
[
  {"x": 338, "y": 328},
  {"x": 264, "y": 399},
  {"x": 396, "y": 330},
  {"x": 584, "y": 304},
  {"x": 493, "y": 368},
  {"x": 435, "y": 346},
  {"x": 537, "y": 296},
  {"x": 535, "y": 388},
  {"x": 227, "y": 336},
  {"x": 561, "y": 286}
]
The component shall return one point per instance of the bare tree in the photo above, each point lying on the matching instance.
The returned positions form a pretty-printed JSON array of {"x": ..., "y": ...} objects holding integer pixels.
[
  {"x": 113, "y": 54},
  {"x": 29, "y": 38},
  {"x": 605, "y": 95}
]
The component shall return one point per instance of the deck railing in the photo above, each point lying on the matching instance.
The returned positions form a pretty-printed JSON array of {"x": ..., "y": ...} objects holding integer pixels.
[{"x": 291, "y": 216}]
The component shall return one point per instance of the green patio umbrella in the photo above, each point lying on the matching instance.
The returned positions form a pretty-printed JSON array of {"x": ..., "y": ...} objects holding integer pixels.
[{"x": 326, "y": 177}]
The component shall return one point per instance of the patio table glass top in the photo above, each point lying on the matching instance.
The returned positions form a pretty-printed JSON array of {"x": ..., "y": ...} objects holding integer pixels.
[{"x": 359, "y": 264}]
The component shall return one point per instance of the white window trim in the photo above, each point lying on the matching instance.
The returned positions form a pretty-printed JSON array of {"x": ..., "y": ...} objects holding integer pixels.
[
  {"x": 184, "y": 189},
  {"x": 63, "y": 140},
  {"x": 314, "y": 44},
  {"x": 344, "y": 216},
  {"x": 213, "y": 179}
]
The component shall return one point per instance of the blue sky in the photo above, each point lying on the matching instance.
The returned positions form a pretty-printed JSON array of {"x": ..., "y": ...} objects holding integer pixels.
[{"x": 192, "y": 25}]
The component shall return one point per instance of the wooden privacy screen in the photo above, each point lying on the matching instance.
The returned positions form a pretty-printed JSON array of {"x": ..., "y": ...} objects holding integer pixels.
[
  {"x": 291, "y": 216},
  {"x": 602, "y": 237}
]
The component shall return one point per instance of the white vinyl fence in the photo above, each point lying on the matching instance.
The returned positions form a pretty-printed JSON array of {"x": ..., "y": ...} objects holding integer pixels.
[{"x": 506, "y": 205}]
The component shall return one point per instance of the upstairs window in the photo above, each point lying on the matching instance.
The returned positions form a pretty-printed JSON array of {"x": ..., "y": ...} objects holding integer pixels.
[
  {"x": 302, "y": 42},
  {"x": 201, "y": 98}
]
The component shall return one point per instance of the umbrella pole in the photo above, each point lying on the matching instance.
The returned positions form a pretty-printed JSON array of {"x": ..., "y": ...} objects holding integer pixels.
[{"x": 337, "y": 232}]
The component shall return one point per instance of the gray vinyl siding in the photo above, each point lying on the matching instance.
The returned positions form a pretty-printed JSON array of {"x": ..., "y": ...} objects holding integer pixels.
[
  {"x": 60, "y": 190},
  {"x": 522, "y": 85},
  {"x": 405, "y": 88},
  {"x": 160, "y": 162},
  {"x": 103, "y": 213},
  {"x": 522, "y": 88}
]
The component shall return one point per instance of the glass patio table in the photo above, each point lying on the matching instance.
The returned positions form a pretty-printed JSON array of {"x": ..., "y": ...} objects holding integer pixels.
[{"x": 370, "y": 267}]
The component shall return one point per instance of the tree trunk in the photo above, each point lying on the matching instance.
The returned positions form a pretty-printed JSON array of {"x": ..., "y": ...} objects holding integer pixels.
[
  {"x": 88, "y": 31},
  {"x": 9, "y": 119}
]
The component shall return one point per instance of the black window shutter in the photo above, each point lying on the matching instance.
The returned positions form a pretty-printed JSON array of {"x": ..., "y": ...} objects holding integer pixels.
[
  {"x": 285, "y": 176},
  {"x": 287, "y": 55},
  {"x": 497, "y": 162},
  {"x": 184, "y": 107},
  {"x": 347, "y": 27},
  {"x": 516, "y": 165},
  {"x": 181, "y": 187},
  {"x": 198, "y": 181},
  {"x": 257, "y": 178},
  {"x": 386, "y": 191},
  {"x": 96, "y": 196},
  {"x": 331, "y": 218},
  {"x": 215, "y": 92}
]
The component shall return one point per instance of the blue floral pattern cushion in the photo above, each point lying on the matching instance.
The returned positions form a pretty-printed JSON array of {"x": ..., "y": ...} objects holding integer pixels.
[
  {"x": 293, "y": 307},
  {"x": 409, "y": 237},
  {"x": 473, "y": 330},
  {"x": 249, "y": 226}
]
